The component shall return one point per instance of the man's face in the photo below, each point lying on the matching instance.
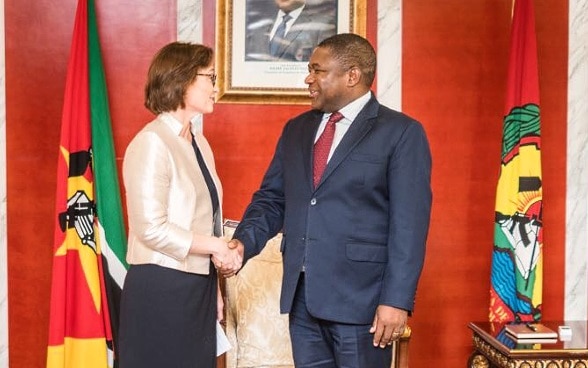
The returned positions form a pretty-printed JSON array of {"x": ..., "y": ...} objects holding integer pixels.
[
  {"x": 327, "y": 82},
  {"x": 289, "y": 5}
]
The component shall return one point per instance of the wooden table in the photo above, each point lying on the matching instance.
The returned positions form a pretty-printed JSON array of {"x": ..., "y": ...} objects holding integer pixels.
[{"x": 493, "y": 348}]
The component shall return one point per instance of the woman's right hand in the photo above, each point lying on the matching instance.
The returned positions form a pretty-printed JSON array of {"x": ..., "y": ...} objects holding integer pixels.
[{"x": 229, "y": 259}]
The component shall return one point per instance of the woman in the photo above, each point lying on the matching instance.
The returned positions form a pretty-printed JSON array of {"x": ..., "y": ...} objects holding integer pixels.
[{"x": 171, "y": 300}]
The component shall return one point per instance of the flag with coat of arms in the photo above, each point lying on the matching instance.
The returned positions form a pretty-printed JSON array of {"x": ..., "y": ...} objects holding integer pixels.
[
  {"x": 517, "y": 256},
  {"x": 90, "y": 240}
]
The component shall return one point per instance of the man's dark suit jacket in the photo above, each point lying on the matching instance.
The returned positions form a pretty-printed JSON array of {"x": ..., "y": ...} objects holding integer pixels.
[
  {"x": 312, "y": 26},
  {"x": 361, "y": 233}
]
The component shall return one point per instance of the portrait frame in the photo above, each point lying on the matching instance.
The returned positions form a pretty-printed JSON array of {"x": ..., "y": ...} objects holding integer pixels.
[{"x": 267, "y": 82}]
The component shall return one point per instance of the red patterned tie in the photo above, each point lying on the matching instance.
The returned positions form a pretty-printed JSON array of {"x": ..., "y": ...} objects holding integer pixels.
[{"x": 322, "y": 147}]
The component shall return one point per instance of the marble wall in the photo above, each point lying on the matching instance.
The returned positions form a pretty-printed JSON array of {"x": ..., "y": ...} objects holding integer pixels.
[
  {"x": 389, "y": 48},
  {"x": 189, "y": 15},
  {"x": 576, "y": 272}
]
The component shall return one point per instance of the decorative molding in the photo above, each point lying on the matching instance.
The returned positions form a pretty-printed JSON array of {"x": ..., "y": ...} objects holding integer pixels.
[{"x": 485, "y": 355}]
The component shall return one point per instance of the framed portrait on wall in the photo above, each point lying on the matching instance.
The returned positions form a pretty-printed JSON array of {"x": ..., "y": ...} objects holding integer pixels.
[{"x": 263, "y": 46}]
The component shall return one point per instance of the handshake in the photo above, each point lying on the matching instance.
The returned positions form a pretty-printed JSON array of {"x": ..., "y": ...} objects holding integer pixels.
[{"x": 228, "y": 261}]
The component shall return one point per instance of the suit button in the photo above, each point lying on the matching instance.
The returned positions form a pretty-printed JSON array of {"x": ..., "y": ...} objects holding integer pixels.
[{"x": 313, "y": 201}]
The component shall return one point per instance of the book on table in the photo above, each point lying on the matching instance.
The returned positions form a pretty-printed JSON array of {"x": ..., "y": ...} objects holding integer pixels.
[
  {"x": 514, "y": 343},
  {"x": 520, "y": 342},
  {"x": 530, "y": 331}
]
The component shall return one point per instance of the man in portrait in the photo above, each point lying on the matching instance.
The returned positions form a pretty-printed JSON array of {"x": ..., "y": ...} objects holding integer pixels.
[{"x": 288, "y": 30}]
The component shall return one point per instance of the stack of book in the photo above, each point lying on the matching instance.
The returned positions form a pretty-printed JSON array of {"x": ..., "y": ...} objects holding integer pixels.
[{"x": 531, "y": 333}]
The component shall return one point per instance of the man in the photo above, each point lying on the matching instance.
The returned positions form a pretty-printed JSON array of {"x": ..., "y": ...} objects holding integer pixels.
[
  {"x": 354, "y": 242},
  {"x": 292, "y": 33}
]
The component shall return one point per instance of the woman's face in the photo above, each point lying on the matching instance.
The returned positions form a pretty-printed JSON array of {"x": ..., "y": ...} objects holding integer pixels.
[{"x": 200, "y": 95}]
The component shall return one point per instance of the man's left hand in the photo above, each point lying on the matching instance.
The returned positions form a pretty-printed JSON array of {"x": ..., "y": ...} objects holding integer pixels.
[{"x": 389, "y": 324}]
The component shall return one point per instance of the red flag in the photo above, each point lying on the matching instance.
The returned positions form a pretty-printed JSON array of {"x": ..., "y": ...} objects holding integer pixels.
[
  {"x": 80, "y": 332},
  {"x": 517, "y": 261}
]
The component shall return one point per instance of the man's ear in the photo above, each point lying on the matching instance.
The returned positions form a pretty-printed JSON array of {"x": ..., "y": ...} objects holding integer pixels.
[{"x": 354, "y": 76}]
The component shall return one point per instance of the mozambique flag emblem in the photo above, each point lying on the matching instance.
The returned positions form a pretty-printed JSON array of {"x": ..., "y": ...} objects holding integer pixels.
[
  {"x": 517, "y": 262},
  {"x": 88, "y": 262}
]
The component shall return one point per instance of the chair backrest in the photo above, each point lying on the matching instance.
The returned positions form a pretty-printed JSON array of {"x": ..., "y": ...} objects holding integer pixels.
[{"x": 257, "y": 331}]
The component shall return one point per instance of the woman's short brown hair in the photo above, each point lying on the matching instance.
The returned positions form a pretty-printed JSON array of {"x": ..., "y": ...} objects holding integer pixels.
[{"x": 172, "y": 70}]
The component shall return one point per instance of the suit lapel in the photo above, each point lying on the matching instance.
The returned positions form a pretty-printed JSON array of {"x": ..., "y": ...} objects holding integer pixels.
[{"x": 360, "y": 127}]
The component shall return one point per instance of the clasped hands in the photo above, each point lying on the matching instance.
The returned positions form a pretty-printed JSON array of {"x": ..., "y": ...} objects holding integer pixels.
[{"x": 228, "y": 261}]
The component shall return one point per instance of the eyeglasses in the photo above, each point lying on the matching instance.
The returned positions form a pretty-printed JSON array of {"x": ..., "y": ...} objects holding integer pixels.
[{"x": 212, "y": 77}]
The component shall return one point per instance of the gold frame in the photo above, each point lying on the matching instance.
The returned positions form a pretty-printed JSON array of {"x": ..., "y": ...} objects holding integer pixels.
[{"x": 227, "y": 93}]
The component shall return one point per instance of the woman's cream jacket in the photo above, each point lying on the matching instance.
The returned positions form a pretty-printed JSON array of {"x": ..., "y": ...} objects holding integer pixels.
[{"x": 167, "y": 197}]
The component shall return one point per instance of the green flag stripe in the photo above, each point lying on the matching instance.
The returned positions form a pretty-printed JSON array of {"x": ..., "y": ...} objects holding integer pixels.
[{"x": 108, "y": 202}]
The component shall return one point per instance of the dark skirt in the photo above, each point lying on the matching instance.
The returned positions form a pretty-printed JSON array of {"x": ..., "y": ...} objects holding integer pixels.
[{"x": 167, "y": 318}]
